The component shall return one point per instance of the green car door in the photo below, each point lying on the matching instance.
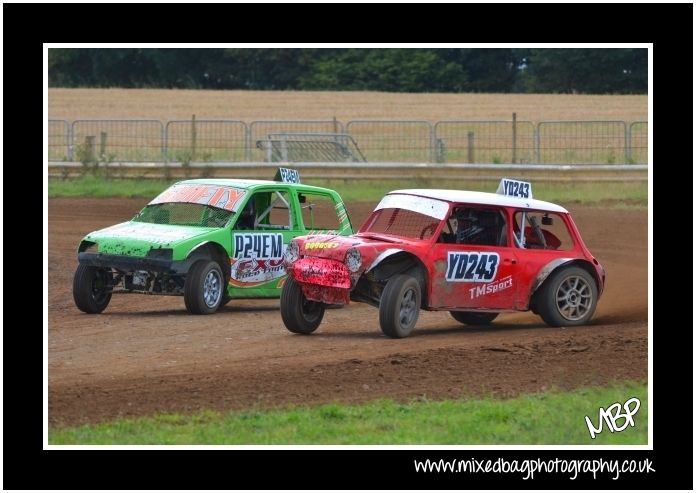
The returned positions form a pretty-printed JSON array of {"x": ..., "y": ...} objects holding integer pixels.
[{"x": 268, "y": 220}]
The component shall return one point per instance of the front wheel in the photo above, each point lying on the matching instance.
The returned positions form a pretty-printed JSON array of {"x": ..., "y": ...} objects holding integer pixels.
[
  {"x": 204, "y": 286},
  {"x": 568, "y": 297},
  {"x": 299, "y": 314},
  {"x": 399, "y": 306},
  {"x": 474, "y": 318},
  {"x": 92, "y": 288}
]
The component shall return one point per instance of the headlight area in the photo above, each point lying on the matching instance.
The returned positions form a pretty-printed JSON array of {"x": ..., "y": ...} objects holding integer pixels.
[
  {"x": 161, "y": 253},
  {"x": 353, "y": 259},
  {"x": 87, "y": 246},
  {"x": 292, "y": 253}
]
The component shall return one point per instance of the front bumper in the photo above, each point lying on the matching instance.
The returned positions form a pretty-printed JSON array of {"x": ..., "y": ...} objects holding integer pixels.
[
  {"x": 127, "y": 263},
  {"x": 320, "y": 271},
  {"x": 324, "y": 280}
]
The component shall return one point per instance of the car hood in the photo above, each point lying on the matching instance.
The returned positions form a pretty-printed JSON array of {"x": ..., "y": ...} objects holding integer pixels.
[
  {"x": 136, "y": 238},
  {"x": 335, "y": 247}
]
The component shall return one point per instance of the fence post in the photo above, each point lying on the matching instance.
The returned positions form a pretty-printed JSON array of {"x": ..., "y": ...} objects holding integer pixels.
[
  {"x": 193, "y": 137},
  {"x": 102, "y": 145},
  {"x": 440, "y": 151},
  {"x": 514, "y": 138},
  {"x": 247, "y": 141},
  {"x": 283, "y": 147},
  {"x": 470, "y": 147},
  {"x": 432, "y": 155},
  {"x": 90, "y": 142},
  {"x": 165, "y": 141},
  {"x": 537, "y": 143},
  {"x": 627, "y": 143},
  {"x": 70, "y": 142}
]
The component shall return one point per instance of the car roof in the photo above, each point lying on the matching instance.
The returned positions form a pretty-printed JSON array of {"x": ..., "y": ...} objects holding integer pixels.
[
  {"x": 251, "y": 184},
  {"x": 485, "y": 198}
]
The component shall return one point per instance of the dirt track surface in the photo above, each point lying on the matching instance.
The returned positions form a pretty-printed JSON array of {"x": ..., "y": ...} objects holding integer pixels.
[{"x": 146, "y": 354}]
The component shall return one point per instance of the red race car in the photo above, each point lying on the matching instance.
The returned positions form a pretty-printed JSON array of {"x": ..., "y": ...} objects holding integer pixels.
[{"x": 474, "y": 254}]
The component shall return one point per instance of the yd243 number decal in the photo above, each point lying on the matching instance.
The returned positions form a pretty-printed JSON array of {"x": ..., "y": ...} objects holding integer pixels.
[{"x": 472, "y": 266}]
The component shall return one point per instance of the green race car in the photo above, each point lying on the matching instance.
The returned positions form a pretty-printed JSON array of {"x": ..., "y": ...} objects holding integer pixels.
[{"x": 209, "y": 240}]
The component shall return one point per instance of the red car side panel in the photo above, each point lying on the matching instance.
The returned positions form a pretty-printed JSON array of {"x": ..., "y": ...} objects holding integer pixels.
[{"x": 472, "y": 276}]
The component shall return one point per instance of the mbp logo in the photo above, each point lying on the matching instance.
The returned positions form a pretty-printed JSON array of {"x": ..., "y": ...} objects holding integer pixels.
[{"x": 612, "y": 414}]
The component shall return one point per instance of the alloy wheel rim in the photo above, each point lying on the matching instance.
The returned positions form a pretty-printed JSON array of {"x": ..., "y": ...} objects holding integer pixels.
[
  {"x": 574, "y": 298},
  {"x": 212, "y": 289},
  {"x": 408, "y": 308}
]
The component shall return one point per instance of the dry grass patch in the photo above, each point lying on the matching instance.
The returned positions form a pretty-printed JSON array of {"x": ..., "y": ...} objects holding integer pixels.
[{"x": 165, "y": 104}]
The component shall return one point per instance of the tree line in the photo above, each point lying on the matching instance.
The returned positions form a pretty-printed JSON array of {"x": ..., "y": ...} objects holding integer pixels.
[{"x": 519, "y": 70}]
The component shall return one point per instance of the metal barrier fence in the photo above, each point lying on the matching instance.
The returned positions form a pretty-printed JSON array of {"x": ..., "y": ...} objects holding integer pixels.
[
  {"x": 484, "y": 142},
  {"x": 59, "y": 140},
  {"x": 551, "y": 142},
  {"x": 402, "y": 141},
  {"x": 299, "y": 147},
  {"x": 259, "y": 130},
  {"x": 637, "y": 143},
  {"x": 581, "y": 142},
  {"x": 118, "y": 140},
  {"x": 205, "y": 140}
]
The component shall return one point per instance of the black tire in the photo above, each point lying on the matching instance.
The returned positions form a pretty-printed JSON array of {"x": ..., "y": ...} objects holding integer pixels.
[
  {"x": 299, "y": 315},
  {"x": 91, "y": 288},
  {"x": 204, "y": 287},
  {"x": 567, "y": 298},
  {"x": 399, "y": 306},
  {"x": 225, "y": 299},
  {"x": 474, "y": 318}
]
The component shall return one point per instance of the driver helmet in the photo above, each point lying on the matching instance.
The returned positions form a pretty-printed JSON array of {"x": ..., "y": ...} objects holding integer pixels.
[{"x": 468, "y": 226}]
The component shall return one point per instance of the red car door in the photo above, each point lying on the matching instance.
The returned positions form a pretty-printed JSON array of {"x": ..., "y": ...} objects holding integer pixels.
[
  {"x": 468, "y": 276},
  {"x": 473, "y": 272}
]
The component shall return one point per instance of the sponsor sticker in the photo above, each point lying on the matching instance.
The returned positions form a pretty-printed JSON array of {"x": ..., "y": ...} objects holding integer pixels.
[
  {"x": 258, "y": 258},
  {"x": 216, "y": 196},
  {"x": 156, "y": 233},
  {"x": 313, "y": 245},
  {"x": 490, "y": 288},
  {"x": 422, "y": 205}
]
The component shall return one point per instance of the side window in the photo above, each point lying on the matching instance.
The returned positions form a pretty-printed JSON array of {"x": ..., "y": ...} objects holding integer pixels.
[
  {"x": 318, "y": 212},
  {"x": 541, "y": 230},
  {"x": 266, "y": 211},
  {"x": 470, "y": 225}
]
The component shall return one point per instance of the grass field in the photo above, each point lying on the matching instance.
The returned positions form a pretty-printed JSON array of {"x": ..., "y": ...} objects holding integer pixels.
[
  {"x": 548, "y": 418},
  {"x": 628, "y": 193},
  {"x": 171, "y": 104}
]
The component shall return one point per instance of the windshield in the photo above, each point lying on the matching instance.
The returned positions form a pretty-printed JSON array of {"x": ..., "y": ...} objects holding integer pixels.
[
  {"x": 184, "y": 214},
  {"x": 401, "y": 222}
]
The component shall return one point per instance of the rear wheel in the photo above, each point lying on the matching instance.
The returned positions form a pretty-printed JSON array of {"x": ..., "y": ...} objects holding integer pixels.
[
  {"x": 299, "y": 314},
  {"x": 204, "y": 287},
  {"x": 474, "y": 318},
  {"x": 568, "y": 297},
  {"x": 92, "y": 288},
  {"x": 399, "y": 306}
]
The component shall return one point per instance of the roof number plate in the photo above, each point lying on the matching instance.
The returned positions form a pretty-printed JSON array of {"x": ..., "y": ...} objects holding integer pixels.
[
  {"x": 287, "y": 175},
  {"x": 515, "y": 188}
]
